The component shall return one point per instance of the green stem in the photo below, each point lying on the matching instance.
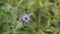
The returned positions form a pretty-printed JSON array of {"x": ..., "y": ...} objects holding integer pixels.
[{"x": 48, "y": 23}]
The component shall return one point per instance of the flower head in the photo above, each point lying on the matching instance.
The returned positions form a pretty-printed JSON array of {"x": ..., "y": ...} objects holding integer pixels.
[{"x": 26, "y": 18}]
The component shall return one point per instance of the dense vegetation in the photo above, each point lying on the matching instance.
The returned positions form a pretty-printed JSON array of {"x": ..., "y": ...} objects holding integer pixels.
[{"x": 42, "y": 16}]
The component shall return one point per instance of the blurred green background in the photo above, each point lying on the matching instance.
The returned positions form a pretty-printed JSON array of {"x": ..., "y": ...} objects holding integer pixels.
[{"x": 45, "y": 16}]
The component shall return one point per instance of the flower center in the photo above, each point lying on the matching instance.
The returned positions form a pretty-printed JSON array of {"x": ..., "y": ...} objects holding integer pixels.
[{"x": 25, "y": 18}]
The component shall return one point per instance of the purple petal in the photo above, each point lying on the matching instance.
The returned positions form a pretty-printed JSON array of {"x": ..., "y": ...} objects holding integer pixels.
[{"x": 26, "y": 18}]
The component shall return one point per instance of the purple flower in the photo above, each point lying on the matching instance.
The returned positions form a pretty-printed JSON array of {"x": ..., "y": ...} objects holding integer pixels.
[{"x": 26, "y": 18}]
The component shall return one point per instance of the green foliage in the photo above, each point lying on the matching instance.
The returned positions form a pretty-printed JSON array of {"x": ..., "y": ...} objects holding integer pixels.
[{"x": 45, "y": 16}]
